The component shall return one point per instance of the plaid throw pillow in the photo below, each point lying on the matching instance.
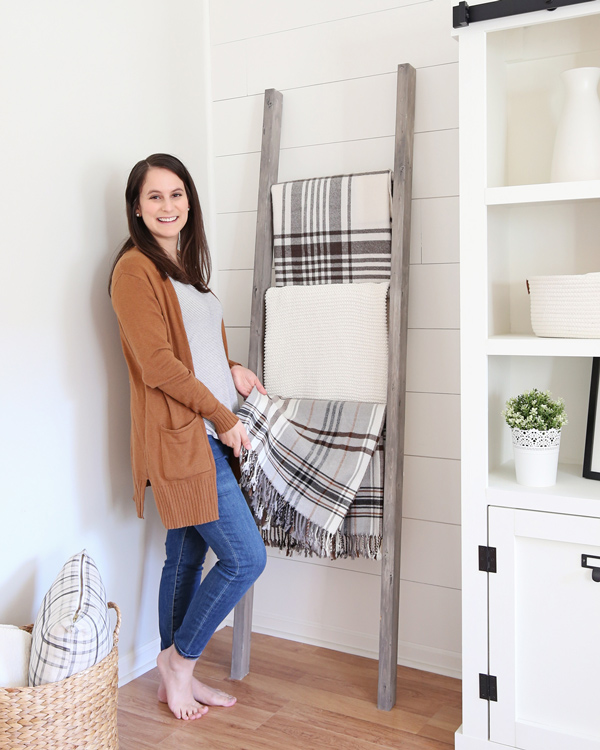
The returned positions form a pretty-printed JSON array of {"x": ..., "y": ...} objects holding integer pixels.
[{"x": 72, "y": 630}]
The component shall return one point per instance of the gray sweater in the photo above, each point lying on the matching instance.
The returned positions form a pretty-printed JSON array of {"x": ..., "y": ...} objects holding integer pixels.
[{"x": 202, "y": 315}]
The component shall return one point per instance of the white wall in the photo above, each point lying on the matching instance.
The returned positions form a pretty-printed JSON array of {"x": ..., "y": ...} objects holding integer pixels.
[
  {"x": 86, "y": 92},
  {"x": 335, "y": 62},
  {"x": 87, "y": 89}
]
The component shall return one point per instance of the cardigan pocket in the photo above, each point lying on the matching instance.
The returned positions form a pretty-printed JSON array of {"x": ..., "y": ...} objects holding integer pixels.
[{"x": 185, "y": 451}]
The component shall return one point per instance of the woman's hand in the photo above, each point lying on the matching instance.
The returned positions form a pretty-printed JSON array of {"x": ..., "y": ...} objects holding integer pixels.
[
  {"x": 235, "y": 438},
  {"x": 245, "y": 380}
]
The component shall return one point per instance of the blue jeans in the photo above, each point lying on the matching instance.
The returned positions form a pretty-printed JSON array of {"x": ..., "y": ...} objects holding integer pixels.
[{"x": 190, "y": 610}]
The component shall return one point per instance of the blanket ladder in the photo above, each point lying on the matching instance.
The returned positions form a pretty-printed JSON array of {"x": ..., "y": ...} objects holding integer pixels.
[{"x": 398, "y": 313}]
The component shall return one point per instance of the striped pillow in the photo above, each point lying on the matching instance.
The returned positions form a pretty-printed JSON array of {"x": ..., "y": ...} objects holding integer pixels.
[{"x": 72, "y": 629}]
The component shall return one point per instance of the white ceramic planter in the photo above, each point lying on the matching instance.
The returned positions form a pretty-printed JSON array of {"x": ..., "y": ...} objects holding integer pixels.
[{"x": 536, "y": 456}]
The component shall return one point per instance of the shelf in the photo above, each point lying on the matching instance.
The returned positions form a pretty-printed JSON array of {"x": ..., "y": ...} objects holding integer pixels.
[
  {"x": 550, "y": 192},
  {"x": 533, "y": 346},
  {"x": 572, "y": 494}
]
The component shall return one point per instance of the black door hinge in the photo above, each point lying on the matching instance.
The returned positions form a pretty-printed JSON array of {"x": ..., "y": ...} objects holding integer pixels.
[
  {"x": 488, "y": 687},
  {"x": 487, "y": 559}
]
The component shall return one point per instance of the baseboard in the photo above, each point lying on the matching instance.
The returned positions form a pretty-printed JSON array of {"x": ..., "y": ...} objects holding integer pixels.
[
  {"x": 462, "y": 742},
  {"x": 430, "y": 659},
  {"x": 425, "y": 658},
  {"x": 138, "y": 661},
  {"x": 141, "y": 660}
]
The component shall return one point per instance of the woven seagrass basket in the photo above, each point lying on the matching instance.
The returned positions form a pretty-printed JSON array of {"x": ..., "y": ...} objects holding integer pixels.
[
  {"x": 77, "y": 713},
  {"x": 566, "y": 306}
]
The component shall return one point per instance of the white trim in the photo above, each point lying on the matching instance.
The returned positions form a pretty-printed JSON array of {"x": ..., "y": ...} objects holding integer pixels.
[
  {"x": 463, "y": 742},
  {"x": 425, "y": 658},
  {"x": 138, "y": 661},
  {"x": 549, "y": 192},
  {"x": 537, "y": 737},
  {"x": 523, "y": 345},
  {"x": 416, "y": 656},
  {"x": 209, "y": 205},
  {"x": 429, "y": 659},
  {"x": 141, "y": 660}
]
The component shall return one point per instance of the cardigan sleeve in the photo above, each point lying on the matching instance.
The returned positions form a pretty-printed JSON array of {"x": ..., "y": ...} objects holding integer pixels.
[{"x": 145, "y": 330}]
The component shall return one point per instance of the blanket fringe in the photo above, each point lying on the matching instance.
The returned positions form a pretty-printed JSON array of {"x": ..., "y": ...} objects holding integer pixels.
[{"x": 284, "y": 528}]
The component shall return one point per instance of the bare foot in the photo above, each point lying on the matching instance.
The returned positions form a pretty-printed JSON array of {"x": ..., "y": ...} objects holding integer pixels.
[
  {"x": 211, "y": 696},
  {"x": 203, "y": 694},
  {"x": 176, "y": 676}
]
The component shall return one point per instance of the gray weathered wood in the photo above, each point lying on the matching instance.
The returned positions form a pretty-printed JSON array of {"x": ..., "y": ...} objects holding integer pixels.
[
  {"x": 263, "y": 262},
  {"x": 394, "y": 450},
  {"x": 396, "y": 394}
]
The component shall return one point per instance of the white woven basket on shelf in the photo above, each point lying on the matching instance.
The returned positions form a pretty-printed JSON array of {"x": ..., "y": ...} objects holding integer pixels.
[{"x": 566, "y": 306}]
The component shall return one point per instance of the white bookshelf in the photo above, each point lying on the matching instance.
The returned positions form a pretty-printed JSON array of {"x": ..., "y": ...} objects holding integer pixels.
[
  {"x": 557, "y": 192},
  {"x": 533, "y": 346},
  {"x": 571, "y": 492},
  {"x": 518, "y": 622}
]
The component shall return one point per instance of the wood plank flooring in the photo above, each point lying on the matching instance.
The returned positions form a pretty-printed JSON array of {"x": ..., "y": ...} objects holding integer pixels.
[{"x": 296, "y": 697}]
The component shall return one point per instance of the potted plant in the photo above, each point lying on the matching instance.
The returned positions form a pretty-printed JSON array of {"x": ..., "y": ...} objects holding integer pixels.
[{"x": 536, "y": 421}]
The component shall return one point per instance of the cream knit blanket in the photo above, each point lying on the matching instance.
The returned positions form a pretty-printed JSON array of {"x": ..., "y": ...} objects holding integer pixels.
[{"x": 327, "y": 342}]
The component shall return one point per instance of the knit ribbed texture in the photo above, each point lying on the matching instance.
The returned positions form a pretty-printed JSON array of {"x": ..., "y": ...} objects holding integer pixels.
[
  {"x": 566, "y": 306},
  {"x": 327, "y": 342},
  {"x": 166, "y": 397},
  {"x": 223, "y": 419},
  {"x": 188, "y": 499}
]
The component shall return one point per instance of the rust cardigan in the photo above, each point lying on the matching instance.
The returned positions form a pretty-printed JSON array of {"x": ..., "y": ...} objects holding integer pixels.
[{"x": 169, "y": 444}]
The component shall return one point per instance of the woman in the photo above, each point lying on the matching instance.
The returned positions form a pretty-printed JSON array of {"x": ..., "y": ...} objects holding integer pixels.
[{"x": 184, "y": 430}]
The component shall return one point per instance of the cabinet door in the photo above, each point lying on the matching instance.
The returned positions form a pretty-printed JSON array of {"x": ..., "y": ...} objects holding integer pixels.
[{"x": 544, "y": 631}]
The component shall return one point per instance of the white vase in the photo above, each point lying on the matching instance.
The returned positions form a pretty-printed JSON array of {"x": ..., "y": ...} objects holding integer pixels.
[
  {"x": 536, "y": 456},
  {"x": 577, "y": 143}
]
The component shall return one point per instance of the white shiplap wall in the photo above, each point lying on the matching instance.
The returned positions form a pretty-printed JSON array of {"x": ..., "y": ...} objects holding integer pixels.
[{"x": 335, "y": 62}]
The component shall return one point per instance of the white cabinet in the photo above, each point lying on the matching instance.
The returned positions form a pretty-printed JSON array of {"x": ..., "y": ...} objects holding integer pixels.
[
  {"x": 544, "y": 611},
  {"x": 532, "y": 624}
]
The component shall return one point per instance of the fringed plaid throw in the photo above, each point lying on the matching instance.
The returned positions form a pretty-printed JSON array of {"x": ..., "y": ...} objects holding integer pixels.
[
  {"x": 332, "y": 230},
  {"x": 309, "y": 477}
]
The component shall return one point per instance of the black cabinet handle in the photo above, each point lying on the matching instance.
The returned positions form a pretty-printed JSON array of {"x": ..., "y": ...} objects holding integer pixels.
[{"x": 595, "y": 568}]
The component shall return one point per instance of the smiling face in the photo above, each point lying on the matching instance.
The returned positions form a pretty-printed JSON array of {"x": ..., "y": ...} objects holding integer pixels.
[{"x": 163, "y": 207}]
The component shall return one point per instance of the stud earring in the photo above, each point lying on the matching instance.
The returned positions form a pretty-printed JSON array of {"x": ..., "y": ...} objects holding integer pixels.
[{"x": 138, "y": 215}]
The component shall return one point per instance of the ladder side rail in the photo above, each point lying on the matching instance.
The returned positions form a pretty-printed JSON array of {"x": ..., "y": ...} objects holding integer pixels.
[
  {"x": 263, "y": 262},
  {"x": 396, "y": 393}
]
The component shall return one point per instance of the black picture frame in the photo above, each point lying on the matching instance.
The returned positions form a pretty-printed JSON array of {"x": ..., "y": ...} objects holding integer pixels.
[{"x": 591, "y": 455}]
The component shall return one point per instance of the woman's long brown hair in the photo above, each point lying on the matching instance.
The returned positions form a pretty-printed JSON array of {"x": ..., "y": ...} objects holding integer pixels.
[{"x": 194, "y": 256}]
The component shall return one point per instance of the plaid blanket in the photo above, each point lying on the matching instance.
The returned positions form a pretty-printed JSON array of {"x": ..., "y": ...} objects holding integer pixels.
[
  {"x": 332, "y": 230},
  {"x": 362, "y": 529},
  {"x": 309, "y": 477}
]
